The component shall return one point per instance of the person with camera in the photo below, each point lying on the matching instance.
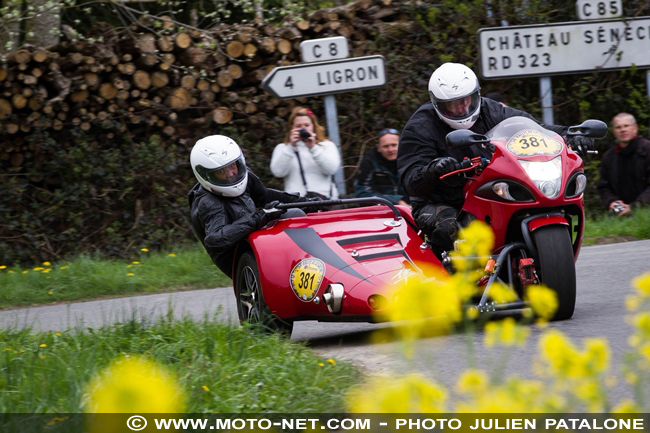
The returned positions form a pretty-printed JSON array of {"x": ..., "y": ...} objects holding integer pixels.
[
  {"x": 377, "y": 175},
  {"x": 307, "y": 159},
  {"x": 423, "y": 156},
  {"x": 229, "y": 202},
  {"x": 625, "y": 169}
]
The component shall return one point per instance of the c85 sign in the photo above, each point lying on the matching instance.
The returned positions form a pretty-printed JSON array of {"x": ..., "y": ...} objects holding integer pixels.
[{"x": 599, "y": 9}]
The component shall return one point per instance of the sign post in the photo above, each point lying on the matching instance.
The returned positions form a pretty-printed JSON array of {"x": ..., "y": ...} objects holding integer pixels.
[{"x": 327, "y": 78}]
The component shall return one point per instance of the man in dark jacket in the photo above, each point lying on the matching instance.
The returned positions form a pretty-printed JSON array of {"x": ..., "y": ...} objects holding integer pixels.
[
  {"x": 224, "y": 202},
  {"x": 377, "y": 175},
  {"x": 625, "y": 169},
  {"x": 424, "y": 157}
]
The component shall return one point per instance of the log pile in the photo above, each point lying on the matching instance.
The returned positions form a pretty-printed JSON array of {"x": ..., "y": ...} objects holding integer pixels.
[{"x": 176, "y": 83}]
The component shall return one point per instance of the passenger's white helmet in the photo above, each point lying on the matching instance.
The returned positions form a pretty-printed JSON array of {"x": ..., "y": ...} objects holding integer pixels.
[
  {"x": 455, "y": 95},
  {"x": 219, "y": 166}
]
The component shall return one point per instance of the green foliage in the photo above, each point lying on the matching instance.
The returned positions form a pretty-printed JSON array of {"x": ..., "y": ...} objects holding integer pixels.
[
  {"x": 615, "y": 228},
  {"x": 220, "y": 368},
  {"x": 91, "y": 278}
]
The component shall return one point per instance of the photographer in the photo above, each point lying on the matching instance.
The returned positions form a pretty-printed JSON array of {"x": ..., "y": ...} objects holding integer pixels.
[{"x": 307, "y": 159}]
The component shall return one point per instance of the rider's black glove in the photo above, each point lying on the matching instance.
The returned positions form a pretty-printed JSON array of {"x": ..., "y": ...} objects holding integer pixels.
[
  {"x": 268, "y": 214},
  {"x": 580, "y": 145},
  {"x": 441, "y": 166}
]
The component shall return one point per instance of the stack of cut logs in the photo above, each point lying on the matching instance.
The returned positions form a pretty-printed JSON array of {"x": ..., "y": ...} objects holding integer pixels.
[{"x": 176, "y": 83}]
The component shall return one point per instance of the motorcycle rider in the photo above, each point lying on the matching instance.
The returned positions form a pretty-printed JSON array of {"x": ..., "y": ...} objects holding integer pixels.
[
  {"x": 224, "y": 201},
  {"x": 424, "y": 157}
]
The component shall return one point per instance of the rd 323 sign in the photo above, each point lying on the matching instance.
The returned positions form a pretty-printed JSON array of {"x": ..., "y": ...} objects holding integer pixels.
[
  {"x": 584, "y": 46},
  {"x": 326, "y": 78}
]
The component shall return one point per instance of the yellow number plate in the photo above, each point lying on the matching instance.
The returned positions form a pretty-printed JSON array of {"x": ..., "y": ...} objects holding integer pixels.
[
  {"x": 306, "y": 278},
  {"x": 531, "y": 143}
]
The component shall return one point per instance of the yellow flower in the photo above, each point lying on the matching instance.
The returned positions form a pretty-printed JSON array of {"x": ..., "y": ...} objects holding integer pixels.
[
  {"x": 11, "y": 272},
  {"x": 320, "y": 364},
  {"x": 632, "y": 303},
  {"x": 407, "y": 394},
  {"x": 472, "y": 382},
  {"x": 626, "y": 406},
  {"x": 63, "y": 268},
  {"x": 25, "y": 271},
  {"x": 130, "y": 274},
  {"x": 565, "y": 360},
  {"x": 43, "y": 345},
  {"x": 129, "y": 266},
  {"x": 49, "y": 293},
  {"x": 57, "y": 334},
  {"x": 47, "y": 271},
  {"x": 172, "y": 255},
  {"x": 134, "y": 385},
  {"x": 642, "y": 324},
  {"x": 331, "y": 361},
  {"x": 136, "y": 263},
  {"x": 37, "y": 269},
  {"x": 543, "y": 301},
  {"x": 144, "y": 250},
  {"x": 475, "y": 241},
  {"x": 505, "y": 333},
  {"x": 47, "y": 264},
  {"x": 642, "y": 284},
  {"x": 205, "y": 388},
  {"x": 502, "y": 294},
  {"x": 7, "y": 348},
  {"x": 3, "y": 267}
]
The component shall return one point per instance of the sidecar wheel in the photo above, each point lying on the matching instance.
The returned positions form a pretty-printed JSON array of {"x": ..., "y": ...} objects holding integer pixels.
[
  {"x": 556, "y": 267},
  {"x": 251, "y": 307}
]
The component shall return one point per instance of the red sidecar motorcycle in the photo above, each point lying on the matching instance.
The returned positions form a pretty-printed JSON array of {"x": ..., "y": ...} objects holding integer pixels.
[{"x": 341, "y": 265}]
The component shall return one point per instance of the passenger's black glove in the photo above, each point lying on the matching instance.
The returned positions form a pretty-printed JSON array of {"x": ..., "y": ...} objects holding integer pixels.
[
  {"x": 315, "y": 207},
  {"x": 268, "y": 214},
  {"x": 441, "y": 166},
  {"x": 580, "y": 144}
]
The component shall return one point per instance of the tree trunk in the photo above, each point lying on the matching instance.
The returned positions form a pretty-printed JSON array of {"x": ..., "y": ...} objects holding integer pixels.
[{"x": 43, "y": 26}]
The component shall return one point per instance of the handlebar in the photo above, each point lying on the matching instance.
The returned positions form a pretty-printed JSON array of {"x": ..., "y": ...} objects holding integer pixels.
[
  {"x": 376, "y": 200},
  {"x": 466, "y": 165}
]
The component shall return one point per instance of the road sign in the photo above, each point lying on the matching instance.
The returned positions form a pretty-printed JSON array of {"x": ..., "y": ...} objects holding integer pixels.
[
  {"x": 599, "y": 9},
  {"x": 326, "y": 78},
  {"x": 317, "y": 50},
  {"x": 564, "y": 48}
]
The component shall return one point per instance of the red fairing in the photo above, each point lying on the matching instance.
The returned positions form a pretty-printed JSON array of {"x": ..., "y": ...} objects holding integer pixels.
[{"x": 362, "y": 249}]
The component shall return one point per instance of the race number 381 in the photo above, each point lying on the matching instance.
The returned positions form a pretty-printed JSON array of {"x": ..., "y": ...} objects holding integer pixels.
[{"x": 306, "y": 278}]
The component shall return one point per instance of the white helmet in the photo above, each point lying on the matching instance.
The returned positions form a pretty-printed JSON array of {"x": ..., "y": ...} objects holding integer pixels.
[
  {"x": 455, "y": 95},
  {"x": 219, "y": 166}
]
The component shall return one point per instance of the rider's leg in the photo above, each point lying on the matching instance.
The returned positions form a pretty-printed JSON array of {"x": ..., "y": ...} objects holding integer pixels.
[{"x": 438, "y": 222}]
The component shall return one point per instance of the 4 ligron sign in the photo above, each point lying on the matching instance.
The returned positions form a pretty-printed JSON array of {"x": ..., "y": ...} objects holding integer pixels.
[{"x": 572, "y": 47}]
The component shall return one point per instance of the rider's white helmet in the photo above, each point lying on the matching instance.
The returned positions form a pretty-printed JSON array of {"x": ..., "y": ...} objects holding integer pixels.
[
  {"x": 219, "y": 166},
  {"x": 455, "y": 95}
]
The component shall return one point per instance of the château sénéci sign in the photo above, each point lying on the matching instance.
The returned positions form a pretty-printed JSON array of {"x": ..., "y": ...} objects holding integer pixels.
[
  {"x": 562, "y": 48},
  {"x": 326, "y": 78}
]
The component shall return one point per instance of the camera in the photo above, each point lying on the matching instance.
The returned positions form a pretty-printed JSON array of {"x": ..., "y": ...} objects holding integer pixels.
[
  {"x": 304, "y": 135},
  {"x": 618, "y": 208}
]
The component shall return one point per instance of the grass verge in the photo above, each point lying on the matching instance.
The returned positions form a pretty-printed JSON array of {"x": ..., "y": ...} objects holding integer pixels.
[
  {"x": 219, "y": 368},
  {"x": 609, "y": 228},
  {"x": 88, "y": 278}
]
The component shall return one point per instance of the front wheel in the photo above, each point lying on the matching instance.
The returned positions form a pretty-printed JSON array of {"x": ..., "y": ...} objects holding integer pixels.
[
  {"x": 251, "y": 307},
  {"x": 557, "y": 268}
]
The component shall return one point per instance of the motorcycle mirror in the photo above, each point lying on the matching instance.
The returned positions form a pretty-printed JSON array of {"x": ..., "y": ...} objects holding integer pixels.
[
  {"x": 589, "y": 128},
  {"x": 465, "y": 138}
]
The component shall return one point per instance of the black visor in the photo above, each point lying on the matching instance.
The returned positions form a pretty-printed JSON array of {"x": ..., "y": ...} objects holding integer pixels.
[
  {"x": 460, "y": 108},
  {"x": 229, "y": 174}
]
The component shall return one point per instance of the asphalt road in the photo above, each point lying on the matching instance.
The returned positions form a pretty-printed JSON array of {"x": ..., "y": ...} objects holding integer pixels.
[{"x": 604, "y": 279}]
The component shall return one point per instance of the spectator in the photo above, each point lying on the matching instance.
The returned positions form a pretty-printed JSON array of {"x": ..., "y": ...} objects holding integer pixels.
[
  {"x": 424, "y": 157},
  {"x": 377, "y": 175},
  {"x": 307, "y": 159},
  {"x": 223, "y": 203},
  {"x": 496, "y": 96},
  {"x": 625, "y": 169}
]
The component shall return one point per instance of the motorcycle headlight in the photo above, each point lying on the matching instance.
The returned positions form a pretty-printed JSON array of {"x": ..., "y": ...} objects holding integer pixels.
[{"x": 547, "y": 175}]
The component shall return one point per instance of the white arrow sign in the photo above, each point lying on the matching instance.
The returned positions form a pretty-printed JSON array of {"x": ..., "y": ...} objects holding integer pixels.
[{"x": 326, "y": 78}]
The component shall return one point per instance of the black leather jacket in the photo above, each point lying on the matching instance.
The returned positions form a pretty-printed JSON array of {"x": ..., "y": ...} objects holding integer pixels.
[
  {"x": 221, "y": 223},
  {"x": 423, "y": 140}
]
